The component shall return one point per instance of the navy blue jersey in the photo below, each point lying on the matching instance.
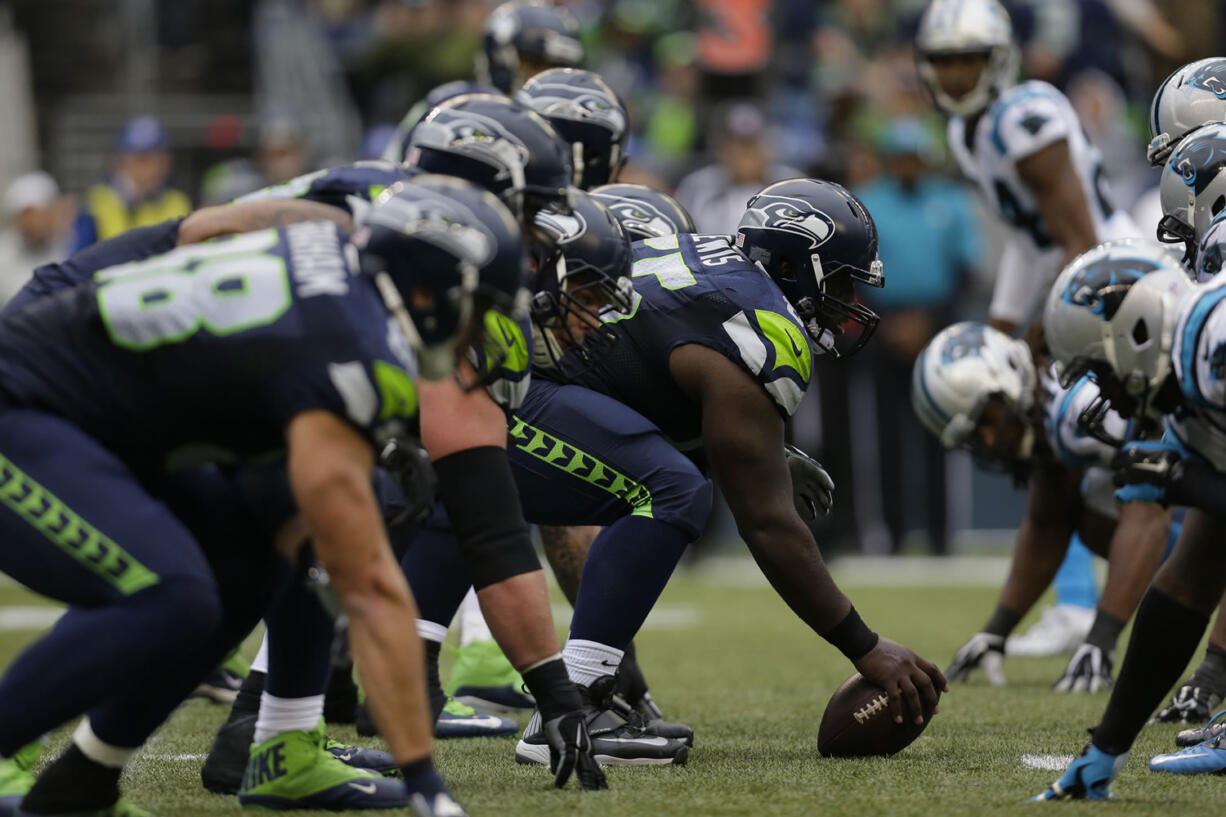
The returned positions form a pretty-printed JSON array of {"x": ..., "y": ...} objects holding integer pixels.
[
  {"x": 349, "y": 187},
  {"x": 204, "y": 354},
  {"x": 699, "y": 289}
]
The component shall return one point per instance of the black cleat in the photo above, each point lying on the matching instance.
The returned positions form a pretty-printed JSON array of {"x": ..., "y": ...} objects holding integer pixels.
[
  {"x": 220, "y": 686},
  {"x": 222, "y": 772},
  {"x": 341, "y": 699}
]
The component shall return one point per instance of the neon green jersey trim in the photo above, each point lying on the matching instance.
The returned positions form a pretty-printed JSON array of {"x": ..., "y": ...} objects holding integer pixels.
[{"x": 791, "y": 345}]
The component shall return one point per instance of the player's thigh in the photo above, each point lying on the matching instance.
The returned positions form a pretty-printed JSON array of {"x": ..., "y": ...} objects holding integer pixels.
[
  {"x": 75, "y": 524},
  {"x": 1195, "y": 572},
  {"x": 581, "y": 458}
]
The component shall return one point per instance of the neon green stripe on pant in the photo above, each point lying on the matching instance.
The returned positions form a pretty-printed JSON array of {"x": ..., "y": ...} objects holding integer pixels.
[{"x": 88, "y": 546}]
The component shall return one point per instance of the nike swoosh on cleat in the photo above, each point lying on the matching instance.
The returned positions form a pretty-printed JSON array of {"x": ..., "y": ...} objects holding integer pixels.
[
  {"x": 346, "y": 756},
  {"x": 365, "y": 788},
  {"x": 483, "y": 722},
  {"x": 635, "y": 741}
]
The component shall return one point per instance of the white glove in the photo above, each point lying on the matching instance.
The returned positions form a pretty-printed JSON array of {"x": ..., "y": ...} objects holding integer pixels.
[
  {"x": 984, "y": 651},
  {"x": 1089, "y": 670}
]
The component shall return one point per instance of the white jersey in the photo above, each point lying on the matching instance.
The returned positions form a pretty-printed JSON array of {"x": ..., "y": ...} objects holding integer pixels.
[
  {"x": 1022, "y": 121},
  {"x": 1198, "y": 355}
]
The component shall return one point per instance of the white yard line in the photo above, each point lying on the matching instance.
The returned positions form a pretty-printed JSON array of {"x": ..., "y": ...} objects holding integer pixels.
[{"x": 1048, "y": 763}]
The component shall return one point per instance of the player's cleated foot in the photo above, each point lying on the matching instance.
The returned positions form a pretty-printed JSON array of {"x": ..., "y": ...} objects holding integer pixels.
[
  {"x": 222, "y": 772},
  {"x": 121, "y": 808},
  {"x": 359, "y": 757},
  {"x": 16, "y": 779},
  {"x": 220, "y": 686},
  {"x": 1088, "y": 777},
  {"x": 1062, "y": 628},
  {"x": 615, "y": 741},
  {"x": 483, "y": 678},
  {"x": 438, "y": 805},
  {"x": 647, "y": 716},
  {"x": 1191, "y": 737},
  {"x": 341, "y": 699},
  {"x": 293, "y": 770},
  {"x": 1192, "y": 703},
  {"x": 1206, "y": 757},
  {"x": 462, "y": 721}
]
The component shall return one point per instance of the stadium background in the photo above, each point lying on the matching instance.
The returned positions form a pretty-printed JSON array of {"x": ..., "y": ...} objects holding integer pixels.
[{"x": 725, "y": 95}]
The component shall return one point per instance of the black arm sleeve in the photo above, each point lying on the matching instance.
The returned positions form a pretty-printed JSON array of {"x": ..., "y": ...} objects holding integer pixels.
[
  {"x": 1197, "y": 485},
  {"x": 482, "y": 504}
]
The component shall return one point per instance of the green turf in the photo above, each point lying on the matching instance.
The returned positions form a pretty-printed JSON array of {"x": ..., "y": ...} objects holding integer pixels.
[{"x": 753, "y": 683}]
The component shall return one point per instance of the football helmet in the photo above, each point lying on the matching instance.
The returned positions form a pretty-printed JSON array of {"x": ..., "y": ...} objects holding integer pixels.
[
  {"x": 1112, "y": 313},
  {"x": 643, "y": 211},
  {"x": 499, "y": 144},
  {"x": 967, "y": 27},
  {"x": 960, "y": 370},
  {"x": 398, "y": 145},
  {"x": 1193, "y": 188},
  {"x": 523, "y": 37},
  {"x": 586, "y": 113},
  {"x": 1211, "y": 253},
  {"x": 815, "y": 240},
  {"x": 441, "y": 252},
  {"x": 1193, "y": 95},
  {"x": 582, "y": 273}
]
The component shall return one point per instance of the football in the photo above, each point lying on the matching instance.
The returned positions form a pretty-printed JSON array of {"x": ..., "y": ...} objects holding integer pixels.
[{"x": 857, "y": 723}]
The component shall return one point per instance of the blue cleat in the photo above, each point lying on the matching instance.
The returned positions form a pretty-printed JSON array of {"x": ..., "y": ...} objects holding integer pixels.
[
  {"x": 1086, "y": 778},
  {"x": 462, "y": 721},
  {"x": 362, "y": 758},
  {"x": 1206, "y": 757}
]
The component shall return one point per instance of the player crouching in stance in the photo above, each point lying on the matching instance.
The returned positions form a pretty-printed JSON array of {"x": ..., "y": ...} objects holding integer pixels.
[
  {"x": 975, "y": 387},
  {"x": 294, "y": 339},
  {"x": 1130, "y": 315}
]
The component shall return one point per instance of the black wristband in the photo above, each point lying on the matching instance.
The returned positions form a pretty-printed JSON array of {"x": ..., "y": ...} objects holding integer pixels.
[
  {"x": 1002, "y": 622},
  {"x": 852, "y": 636},
  {"x": 555, "y": 693},
  {"x": 1105, "y": 632},
  {"x": 482, "y": 503},
  {"x": 423, "y": 766}
]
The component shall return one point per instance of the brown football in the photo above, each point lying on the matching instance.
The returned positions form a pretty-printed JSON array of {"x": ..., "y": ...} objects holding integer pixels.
[{"x": 857, "y": 723}]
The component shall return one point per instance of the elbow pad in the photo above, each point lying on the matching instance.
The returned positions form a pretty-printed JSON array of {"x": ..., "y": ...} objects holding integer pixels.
[{"x": 482, "y": 503}]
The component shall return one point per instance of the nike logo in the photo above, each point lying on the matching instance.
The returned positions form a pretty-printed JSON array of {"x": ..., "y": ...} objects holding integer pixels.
[
  {"x": 483, "y": 722},
  {"x": 346, "y": 756},
  {"x": 612, "y": 664},
  {"x": 365, "y": 788},
  {"x": 635, "y": 741},
  {"x": 795, "y": 349}
]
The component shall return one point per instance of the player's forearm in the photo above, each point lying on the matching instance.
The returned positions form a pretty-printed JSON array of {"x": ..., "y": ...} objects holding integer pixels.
[
  {"x": 517, "y": 611},
  {"x": 1037, "y": 554},
  {"x": 244, "y": 217},
  {"x": 792, "y": 563},
  {"x": 1137, "y": 548}
]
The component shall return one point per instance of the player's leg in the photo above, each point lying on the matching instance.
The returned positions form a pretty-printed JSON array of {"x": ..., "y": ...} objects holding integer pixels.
[
  {"x": 1066, "y": 623},
  {"x": 580, "y": 457},
  {"x": 79, "y": 527}
]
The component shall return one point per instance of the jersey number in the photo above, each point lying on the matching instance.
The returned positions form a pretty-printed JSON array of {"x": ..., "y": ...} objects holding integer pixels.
[
  {"x": 670, "y": 271},
  {"x": 223, "y": 288}
]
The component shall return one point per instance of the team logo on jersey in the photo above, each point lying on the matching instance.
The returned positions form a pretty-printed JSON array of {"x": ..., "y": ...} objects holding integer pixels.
[
  {"x": 1210, "y": 77},
  {"x": 563, "y": 228},
  {"x": 1101, "y": 287},
  {"x": 963, "y": 344},
  {"x": 1205, "y": 154},
  {"x": 639, "y": 216},
  {"x": 789, "y": 215}
]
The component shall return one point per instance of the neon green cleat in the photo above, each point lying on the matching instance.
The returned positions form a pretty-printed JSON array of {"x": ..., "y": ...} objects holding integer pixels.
[
  {"x": 15, "y": 776},
  {"x": 294, "y": 770},
  {"x": 482, "y": 677},
  {"x": 235, "y": 664}
]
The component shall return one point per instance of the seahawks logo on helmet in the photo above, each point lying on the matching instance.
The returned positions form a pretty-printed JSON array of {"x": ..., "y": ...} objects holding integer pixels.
[
  {"x": 1101, "y": 287},
  {"x": 788, "y": 215},
  {"x": 562, "y": 102},
  {"x": 439, "y": 221},
  {"x": 1205, "y": 152},
  {"x": 465, "y": 131},
  {"x": 963, "y": 344},
  {"x": 639, "y": 217},
  {"x": 564, "y": 228},
  {"x": 1210, "y": 77}
]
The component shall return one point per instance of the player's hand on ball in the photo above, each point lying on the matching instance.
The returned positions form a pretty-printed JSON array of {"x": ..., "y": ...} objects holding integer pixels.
[
  {"x": 914, "y": 684},
  {"x": 570, "y": 750},
  {"x": 812, "y": 487},
  {"x": 984, "y": 651},
  {"x": 1089, "y": 670}
]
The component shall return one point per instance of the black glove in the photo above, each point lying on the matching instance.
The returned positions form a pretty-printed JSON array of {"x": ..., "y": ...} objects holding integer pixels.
[
  {"x": 812, "y": 487},
  {"x": 409, "y": 464},
  {"x": 570, "y": 750}
]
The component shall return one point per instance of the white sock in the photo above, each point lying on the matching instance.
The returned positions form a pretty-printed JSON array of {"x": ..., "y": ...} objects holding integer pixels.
[
  {"x": 472, "y": 623},
  {"x": 431, "y": 631},
  {"x": 279, "y": 715},
  {"x": 260, "y": 662},
  {"x": 104, "y": 754},
  {"x": 588, "y": 660}
]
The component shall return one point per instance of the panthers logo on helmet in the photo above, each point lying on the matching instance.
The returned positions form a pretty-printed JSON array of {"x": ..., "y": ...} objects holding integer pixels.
[
  {"x": 439, "y": 221},
  {"x": 1210, "y": 77},
  {"x": 1205, "y": 152},
  {"x": 789, "y": 215},
  {"x": 1101, "y": 287},
  {"x": 963, "y": 344},
  {"x": 640, "y": 216},
  {"x": 564, "y": 228}
]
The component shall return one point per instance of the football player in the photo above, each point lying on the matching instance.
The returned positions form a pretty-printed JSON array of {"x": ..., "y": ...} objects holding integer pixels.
[
  {"x": 588, "y": 115},
  {"x": 975, "y": 387},
  {"x": 523, "y": 38},
  {"x": 1193, "y": 95},
  {"x": 1128, "y": 313}
]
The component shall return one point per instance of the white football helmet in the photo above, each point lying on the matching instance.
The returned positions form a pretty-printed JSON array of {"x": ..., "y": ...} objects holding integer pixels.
[
  {"x": 1191, "y": 96},
  {"x": 967, "y": 27},
  {"x": 1113, "y": 311},
  {"x": 1193, "y": 188},
  {"x": 960, "y": 369}
]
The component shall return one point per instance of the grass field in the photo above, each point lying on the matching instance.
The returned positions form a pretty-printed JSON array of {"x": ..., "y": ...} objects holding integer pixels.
[{"x": 730, "y": 659}]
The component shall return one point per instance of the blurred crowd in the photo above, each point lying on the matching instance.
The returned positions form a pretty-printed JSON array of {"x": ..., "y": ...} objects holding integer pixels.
[{"x": 724, "y": 96}]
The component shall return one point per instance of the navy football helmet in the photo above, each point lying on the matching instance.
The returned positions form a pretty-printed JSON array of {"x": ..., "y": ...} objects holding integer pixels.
[
  {"x": 523, "y": 37},
  {"x": 816, "y": 240},
  {"x": 398, "y": 145},
  {"x": 585, "y": 112},
  {"x": 442, "y": 252},
  {"x": 498, "y": 144},
  {"x": 582, "y": 273},
  {"x": 643, "y": 211}
]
